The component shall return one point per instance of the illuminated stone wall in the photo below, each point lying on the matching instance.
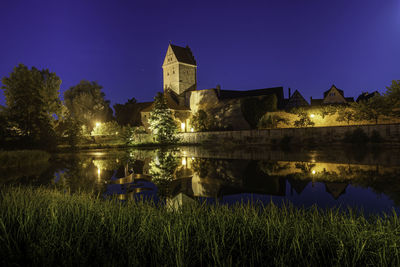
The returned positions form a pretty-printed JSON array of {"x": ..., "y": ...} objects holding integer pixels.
[{"x": 389, "y": 132}]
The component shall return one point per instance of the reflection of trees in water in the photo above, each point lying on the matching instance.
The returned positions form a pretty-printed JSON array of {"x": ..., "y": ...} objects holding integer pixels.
[
  {"x": 162, "y": 168},
  {"x": 270, "y": 167},
  {"x": 305, "y": 167},
  {"x": 230, "y": 171},
  {"x": 81, "y": 174}
]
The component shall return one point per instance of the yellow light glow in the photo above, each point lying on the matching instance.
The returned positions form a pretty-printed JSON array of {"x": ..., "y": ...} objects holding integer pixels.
[
  {"x": 312, "y": 115},
  {"x": 192, "y": 130},
  {"x": 116, "y": 133},
  {"x": 98, "y": 171},
  {"x": 183, "y": 126},
  {"x": 183, "y": 161},
  {"x": 313, "y": 172},
  {"x": 98, "y": 124}
]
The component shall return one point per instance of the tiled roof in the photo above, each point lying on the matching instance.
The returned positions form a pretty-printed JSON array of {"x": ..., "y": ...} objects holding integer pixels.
[
  {"x": 172, "y": 103},
  {"x": 232, "y": 94},
  {"x": 183, "y": 54}
]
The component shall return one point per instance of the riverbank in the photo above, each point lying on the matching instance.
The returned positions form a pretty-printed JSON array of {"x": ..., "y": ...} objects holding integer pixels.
[{"x": 47, "y": 227}]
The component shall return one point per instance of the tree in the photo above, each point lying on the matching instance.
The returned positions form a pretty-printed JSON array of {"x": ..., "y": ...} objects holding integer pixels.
[
  {"x": 162, "y": 125},
  {"x": 392, "y": 97},
  {"x": 253, "y": 108},
  {"x": 107, "y": 128},
  {"x": 304, "y": 119},
  {"x": 200, "y": 121},
  {"x": 371, "y": 109},
  {"x": 128, "y": 113},
  {"x": 345, "y": 114},
  {"x": 270, "y": 121},
  {"x": 86, "y": 104},
  {"x": 33, "y": 104},
  {"x": 326, "y": 110}
]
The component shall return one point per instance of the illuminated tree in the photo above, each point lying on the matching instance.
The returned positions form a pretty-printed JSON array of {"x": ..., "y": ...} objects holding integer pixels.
[
  {"x": 86, "y": 104},
  {"x": 200, "y": 121},
  {"x": 33, "y": 104},
  {"x": 107, "y": 128},
  {"x": 345, "y": 114},
  {"x": 162, "y": 124},
  {"x": 270, "y": 121},
  {"x": 304, "y": 119},
  {"x": 371, "y": 109},
  {"x": 392, "y": 97}
]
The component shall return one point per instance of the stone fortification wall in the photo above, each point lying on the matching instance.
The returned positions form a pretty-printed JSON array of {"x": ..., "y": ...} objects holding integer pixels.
[{"x": 321, "y": 135}]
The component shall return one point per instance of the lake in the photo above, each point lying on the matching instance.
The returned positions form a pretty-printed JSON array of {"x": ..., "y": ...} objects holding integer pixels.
[{"x": 367, "y": 179}]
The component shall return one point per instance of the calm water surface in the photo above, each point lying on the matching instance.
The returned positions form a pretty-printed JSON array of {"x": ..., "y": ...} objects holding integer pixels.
[{"x": 368, "y": 179}]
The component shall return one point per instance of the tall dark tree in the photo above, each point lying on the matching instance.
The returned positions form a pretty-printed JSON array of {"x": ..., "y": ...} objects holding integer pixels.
[
  {"x": 128, "y": 113},
  {"x": 33, "y": 104},
  {"x": 86, "y": 104},
  {"x": 253, "y": 108}
]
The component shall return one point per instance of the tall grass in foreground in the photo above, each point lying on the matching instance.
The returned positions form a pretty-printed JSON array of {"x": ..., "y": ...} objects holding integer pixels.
[
  {"x": 43, "y": 227},
  {"x": 22, "y": 158}
]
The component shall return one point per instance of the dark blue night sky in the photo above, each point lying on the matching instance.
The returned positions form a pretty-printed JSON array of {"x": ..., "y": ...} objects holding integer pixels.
[{"x": 306, "y": 45}]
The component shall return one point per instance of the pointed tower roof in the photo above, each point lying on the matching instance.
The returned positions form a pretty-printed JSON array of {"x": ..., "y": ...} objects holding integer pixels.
[{"x": 183, "y": 54}]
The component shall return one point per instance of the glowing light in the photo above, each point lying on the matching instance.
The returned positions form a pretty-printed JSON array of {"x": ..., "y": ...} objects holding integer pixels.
[
  {"x": 183, "y": 126},
  {"x": 98, "y": 124},
  {"x": 98, "y": 171},
  {"x": 192, "y": 130},
  {"x": 183, "y": 161},
  {"x": 312, "y": 115},
  {"x": 116, "y": 133},
  {"x": 313, "y": 172}
]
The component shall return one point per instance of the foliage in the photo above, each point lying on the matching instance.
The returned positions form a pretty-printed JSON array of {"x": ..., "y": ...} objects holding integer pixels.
[
  {"x": 162, "y": 124},
  {"x": 393, "y": 98},
  {"x": 358, "y": 137},
  {"x": 131, "y": 134},
  {"x": 345, "y": 114},
  {"x": 304, "y": 119},
  {"x": 162, "y": 169},
  {"x": 371, "y": 109},
  {"x": 32, "y": 98},
  {"x": 86, "y": 104},
  {"x": 140, "y": 233},
  {"x": 128, "y": 113},
  {"x": 326, "y": 110},
  {"x": 270, "y": 121},
  {"x": 253, "y": 108},
  {"x": 110, "y": 128},
  {"x": 200, "y": 121}
]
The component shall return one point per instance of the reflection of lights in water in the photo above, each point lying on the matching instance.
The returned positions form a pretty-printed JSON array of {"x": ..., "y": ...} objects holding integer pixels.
[
  {"x": 98, "y": 173},
  {"x": 313, "y": 172},
  {"x": 312, "y": 115},
  {"x": 117, "y": 160},
  {"x": 192, "y": 158},
  {"x": 183, "y": 126},
  {"x": 192, "y": 130},
  {"x": 184, "y": 161}
]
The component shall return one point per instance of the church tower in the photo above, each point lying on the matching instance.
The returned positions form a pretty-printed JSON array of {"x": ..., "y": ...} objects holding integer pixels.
[{"x": 179, "y": 70}]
